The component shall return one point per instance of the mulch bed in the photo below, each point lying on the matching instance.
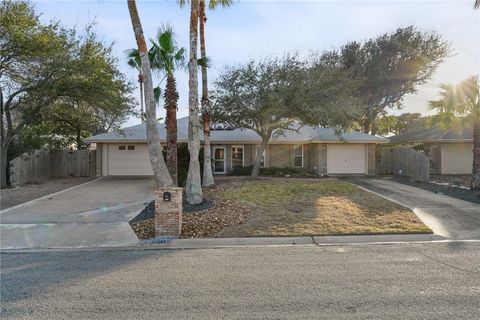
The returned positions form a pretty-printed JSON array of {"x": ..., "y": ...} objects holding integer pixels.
[
  {"x": 448, "y": 190},
  {"x": 205, "y": 220},
  {"x": 208, "y": 223}
]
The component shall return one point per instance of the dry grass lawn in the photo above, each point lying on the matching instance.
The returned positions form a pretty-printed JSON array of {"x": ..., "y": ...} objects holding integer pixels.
[{"x": 300, "y": 208}]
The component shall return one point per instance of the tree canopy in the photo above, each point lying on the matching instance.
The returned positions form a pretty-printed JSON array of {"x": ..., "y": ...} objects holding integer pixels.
[
  {"x": 55, "y": 78},
  {"x": 277, "y": 94},
  {"x": 389, "y": 67},
  {"x": 458, "y": 108}
]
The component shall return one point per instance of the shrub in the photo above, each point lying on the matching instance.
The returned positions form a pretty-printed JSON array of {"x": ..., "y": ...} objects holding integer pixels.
[
  {"x": 241, "y": 171},
  {"x": 183, "y": 159},
  {"x": 272, "y": 172}
]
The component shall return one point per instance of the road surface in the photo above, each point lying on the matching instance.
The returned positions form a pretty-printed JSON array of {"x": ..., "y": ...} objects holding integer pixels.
[{"x": 389, "y": 281}]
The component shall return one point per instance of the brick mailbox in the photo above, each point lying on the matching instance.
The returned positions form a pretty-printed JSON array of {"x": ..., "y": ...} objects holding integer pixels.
[{"x": 168, "y": 212}]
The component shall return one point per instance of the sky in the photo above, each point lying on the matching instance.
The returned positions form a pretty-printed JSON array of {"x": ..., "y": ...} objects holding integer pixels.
[{"x": 258, "y": 29}]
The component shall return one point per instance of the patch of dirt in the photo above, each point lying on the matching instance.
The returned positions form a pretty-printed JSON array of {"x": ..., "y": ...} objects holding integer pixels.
[
  {"x": 461, "y": 193},
  {"x": 14, "y": 196}
]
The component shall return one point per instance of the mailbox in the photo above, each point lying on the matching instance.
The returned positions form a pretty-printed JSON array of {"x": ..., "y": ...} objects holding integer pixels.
[{"x": 167, "y": 196}]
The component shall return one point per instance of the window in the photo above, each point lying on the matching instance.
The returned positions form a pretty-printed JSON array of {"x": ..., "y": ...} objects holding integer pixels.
[
  {"x": 262, "y": 160},
  {"x": 298, "y": 155},
  {"x": 121, "y": 147},
  {"x": 131, "y": 147},
  {"x": 237, "y": 156}
]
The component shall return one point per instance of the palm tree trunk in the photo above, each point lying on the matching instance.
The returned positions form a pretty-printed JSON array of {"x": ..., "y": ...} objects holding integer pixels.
[
  {"x": 193, "y": 188},
  {"x": 160, "y": 172},
  {"x": 207, "y": 157},
  {"x": 171, "y": 98},
  {"x": 142, "y": 98},
  {"x": 476, "y": 157}
]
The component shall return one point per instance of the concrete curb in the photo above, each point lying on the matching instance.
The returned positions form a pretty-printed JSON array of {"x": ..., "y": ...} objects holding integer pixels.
[
  {"x": 223, "y": 243},
  {"x": 49, "y": 195}
]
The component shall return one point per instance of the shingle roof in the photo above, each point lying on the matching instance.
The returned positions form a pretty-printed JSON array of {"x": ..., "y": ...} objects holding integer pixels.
[
  {"x": 137, "y": 133},
  {"x": 433, "y": 134}
]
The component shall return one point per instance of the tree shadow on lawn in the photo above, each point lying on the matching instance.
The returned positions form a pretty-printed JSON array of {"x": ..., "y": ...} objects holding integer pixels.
[{"x": 307, "y": 208}]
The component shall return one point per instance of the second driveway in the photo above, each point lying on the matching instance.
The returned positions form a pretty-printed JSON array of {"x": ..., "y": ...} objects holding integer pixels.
[
  {"x": 93, "y": 214},
  {"x": 446, "y": 216}
]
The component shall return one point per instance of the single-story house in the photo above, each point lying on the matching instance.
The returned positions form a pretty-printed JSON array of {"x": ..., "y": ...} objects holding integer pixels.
[
  {"x": 449, "y": 151},
  {"x": 318, "y": 150}
]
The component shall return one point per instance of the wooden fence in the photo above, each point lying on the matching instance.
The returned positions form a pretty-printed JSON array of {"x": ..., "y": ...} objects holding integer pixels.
[
  {"x": 40, "y": 165},
  {"x": 403, "y": 161}
]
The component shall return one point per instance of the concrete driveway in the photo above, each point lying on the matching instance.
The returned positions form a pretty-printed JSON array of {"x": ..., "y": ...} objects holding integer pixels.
[
  {"x": 90, "y": 215},
  {"x": 446, "y": 216}
]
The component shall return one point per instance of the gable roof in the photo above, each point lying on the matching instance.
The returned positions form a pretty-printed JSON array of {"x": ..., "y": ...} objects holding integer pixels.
[
  {"x": 301, "y": 133},
  {"x": 433, "y": 134}
]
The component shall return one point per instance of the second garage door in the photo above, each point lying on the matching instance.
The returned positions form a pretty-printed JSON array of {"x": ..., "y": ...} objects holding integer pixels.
[
  {"x": 346, "y": 158},
  {"x": 128, "y": 160}
]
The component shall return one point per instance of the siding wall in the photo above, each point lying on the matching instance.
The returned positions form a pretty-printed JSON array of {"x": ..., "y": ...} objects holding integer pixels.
[
  {"x": 435, "y": 157},
  {"x": 280, "y": 155},
  {"x": 456, "y": 158},
  {"x": 313, "y": 156},
  {"x": 322, "y": 159},
  {"x": 248, "y": 154},
  {"x": 99, "y": 158},
  {"x": 371, "y": 160}
]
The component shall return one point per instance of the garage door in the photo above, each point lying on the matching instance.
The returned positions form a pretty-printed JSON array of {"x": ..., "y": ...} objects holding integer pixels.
[
  {"x": 128, "y": 160},
  {"x": 346, "y": 158}
]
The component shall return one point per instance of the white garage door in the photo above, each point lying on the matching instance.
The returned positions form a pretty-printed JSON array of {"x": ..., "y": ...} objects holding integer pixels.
[
  {"x": 128, "y": 160},
  {"x": 346, "y": 158}
]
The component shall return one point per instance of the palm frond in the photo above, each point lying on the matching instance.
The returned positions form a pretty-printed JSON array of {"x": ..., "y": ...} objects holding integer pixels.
[
  {"x": 183, "y": 3},
  {"x": 157, "y": 93},
  {"x": 165, "y": 55},
  {"x": 204, "y": 62},
  {"x": 133, "y": 58},
  {"x": 477, "y": 4},
  {"x": 459, "y": 105},
  {"x": 212, "y": 4}
]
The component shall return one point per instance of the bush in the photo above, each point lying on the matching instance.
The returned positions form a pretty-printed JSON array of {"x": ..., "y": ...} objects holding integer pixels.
[
  {"x": 272, "y": 172},
  {"x": 241, "y": 171},
  {"x": 183, "y": 159}
]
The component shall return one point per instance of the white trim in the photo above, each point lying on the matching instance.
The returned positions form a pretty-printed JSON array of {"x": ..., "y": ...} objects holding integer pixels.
[
  {"x": 231, "y": 154},
  {"x": 294, "y": 156},
  {"x": 224, "y": 159}
]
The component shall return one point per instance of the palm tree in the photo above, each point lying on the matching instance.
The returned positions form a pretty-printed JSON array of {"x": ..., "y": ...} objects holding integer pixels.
[
  {"x": 207, "y": 157},
  {"x": 477, "y": 4},
  {"x": 134, "y": 61},
  {"x": 160, "y": 171},
  {"x": 193, "y": 188},
  {"x": 459, "y": 107},
  {"x": 166, "y": 57}
]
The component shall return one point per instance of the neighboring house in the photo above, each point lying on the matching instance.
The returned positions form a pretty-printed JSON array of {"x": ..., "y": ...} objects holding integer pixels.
[
  {"x": 450, "y": 152},
  {"x": 317, "y": 150}
]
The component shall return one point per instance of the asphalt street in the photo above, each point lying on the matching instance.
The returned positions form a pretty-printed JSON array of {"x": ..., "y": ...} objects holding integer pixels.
[{"x": 388, "y": 281}]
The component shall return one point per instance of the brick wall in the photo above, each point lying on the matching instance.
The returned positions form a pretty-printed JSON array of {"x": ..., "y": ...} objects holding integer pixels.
[{"x": 168, "y": 214}]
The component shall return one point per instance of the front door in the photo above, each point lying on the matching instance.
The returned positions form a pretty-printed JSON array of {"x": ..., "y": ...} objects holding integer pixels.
[{"x": 219, "y": 160}]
